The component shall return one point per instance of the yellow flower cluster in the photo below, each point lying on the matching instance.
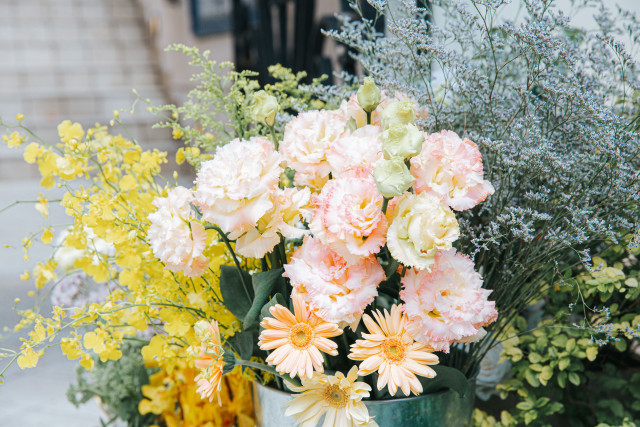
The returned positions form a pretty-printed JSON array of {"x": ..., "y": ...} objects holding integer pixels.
[
  {"x": 173, "y": 396},
  {"x": 109, "y": 184}
]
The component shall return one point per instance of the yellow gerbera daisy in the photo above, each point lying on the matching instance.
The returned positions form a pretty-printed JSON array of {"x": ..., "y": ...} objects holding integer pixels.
[
  {"x": 337, "y": 397},
  {"x": 297, "y": 339},
  {"x": 209, "y": 360},
  {"x": 392, "y": 351}
]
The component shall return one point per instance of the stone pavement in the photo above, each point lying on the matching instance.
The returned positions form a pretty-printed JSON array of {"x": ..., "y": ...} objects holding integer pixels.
[
  {"x": 60, "y": 59},
  {"x": 78, "y": 60}
]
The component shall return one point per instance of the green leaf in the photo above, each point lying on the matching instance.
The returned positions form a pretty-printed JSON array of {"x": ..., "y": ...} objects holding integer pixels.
[
  {"x": 524, "y": 406},
  {"x": 562, "y": 379},
  {"x": 542, "y": 401},
  {"x": 531, "y": 378},
  {"x": 391, "y": 268},
  {"x": 265, "y": 284},
  {"x": 547, "y": 373},
  {"x": 553, "y": 408},
  {"x": 446, "y": 377},
  {"x": 242, "y": 343},
  {"x": 592, "y": 353},
  {"x": 574, "y": 378},
  {"x": 571, "y": 344},
  {"x": 236, "y": 290},
  {"x": 559, "y": 341},
  {"x": 530, "y": 416},
  {"x": 616, "y": 408},
  {"x": 562, "y": 365},
  {"x": 535, "y": 357},
  {"x": 277, "y": 299},
  {"x": 620, "y": 345}
]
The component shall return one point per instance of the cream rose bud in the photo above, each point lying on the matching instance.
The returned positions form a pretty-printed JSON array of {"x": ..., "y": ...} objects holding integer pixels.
[
  {"x": 264, "y": 108},
  {"x": 403, "y": 141},
  {"x": 420, "y": 227},
  {"x": 368, "y": 95},
  {"x": 392, "y": 177},
  {"x": 398, "y": 113}
]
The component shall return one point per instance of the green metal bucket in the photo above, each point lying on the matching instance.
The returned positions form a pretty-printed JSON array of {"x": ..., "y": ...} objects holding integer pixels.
[{"x": 445, "y": 408}]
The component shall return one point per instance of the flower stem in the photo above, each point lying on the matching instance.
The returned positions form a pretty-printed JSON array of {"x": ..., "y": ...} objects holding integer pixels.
[
  {"x": 270, "y": 369},
  {"x": 385, "y": 202},
  {"x": 274, "y": 138},
  {"x": 224, "y": 237}
]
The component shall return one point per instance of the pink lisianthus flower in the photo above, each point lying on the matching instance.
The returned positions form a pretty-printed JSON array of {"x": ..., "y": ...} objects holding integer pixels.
[
  {"x": 446, "y": 304},
  {"x": 290, "y": 206},
  {"x": 348, "y": 215},
  {"x": 307, "y": 139},
  {"x": 451, "y": 168},
  {"x": 362, "y": 147},
  {"x": 234, "y": 188},
  {"x": 335, "y": 290},
  {"x": 176, "y": 238}
]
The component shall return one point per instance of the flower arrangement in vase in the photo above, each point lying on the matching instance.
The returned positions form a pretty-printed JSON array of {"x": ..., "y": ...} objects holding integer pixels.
[{"x": 350, "y": 220}]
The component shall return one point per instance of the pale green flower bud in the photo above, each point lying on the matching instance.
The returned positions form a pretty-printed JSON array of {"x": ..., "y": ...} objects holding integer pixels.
[
  {"x": 392, "y": 177},
  {"x": 264, "y": 108},
  {"x": 368, "y": 95},
  {"x": 403, "y": 141},
  {"x": 398, "y": 113}
]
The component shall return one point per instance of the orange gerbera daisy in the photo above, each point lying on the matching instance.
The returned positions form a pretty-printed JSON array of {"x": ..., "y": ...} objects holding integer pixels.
[
  {"x": 297, "y": 339},
  {"x": 393, "y": 352},
  {"x": 209, "y": 360}
]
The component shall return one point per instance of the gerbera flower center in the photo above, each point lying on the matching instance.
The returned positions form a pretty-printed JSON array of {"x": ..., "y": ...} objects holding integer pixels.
[
  {"x": 394, "y": 349},
  {"x": 301, "y": 335},
  {"x": 335, "y": 396}
]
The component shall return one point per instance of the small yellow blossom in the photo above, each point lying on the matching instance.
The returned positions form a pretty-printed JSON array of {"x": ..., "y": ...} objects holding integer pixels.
[
  {"x": 47, "y": 236},
  {"x": 32, "y": 152},
  {"x": 69, "y": 131},
  {"x": 14, "y": 140},
  {"x": 19, "y": 117},
  {"x": 177, "y": 133},
  {"x": 180, "y": 156},
  {"x": 28, "y": 358}
]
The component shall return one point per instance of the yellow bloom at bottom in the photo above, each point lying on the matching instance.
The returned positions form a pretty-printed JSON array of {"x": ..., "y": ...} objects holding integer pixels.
[
  {"x": 174, "y": 398},
  {"x": 337, "y": 397},
  {"x": 393, "y": 352}
]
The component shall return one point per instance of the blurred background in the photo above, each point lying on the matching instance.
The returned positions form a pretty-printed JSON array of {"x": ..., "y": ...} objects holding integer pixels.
[{"x": 80, "y": 60}]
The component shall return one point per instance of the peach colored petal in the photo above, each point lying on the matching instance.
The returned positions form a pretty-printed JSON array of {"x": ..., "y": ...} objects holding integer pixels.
[{"x": 447, "y": 304}]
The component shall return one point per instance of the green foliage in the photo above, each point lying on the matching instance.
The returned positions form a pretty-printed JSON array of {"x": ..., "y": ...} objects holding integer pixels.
[
  {"x": 236, "y": 290},
  {"x": 218, "y": 108},
  {"x": 118, "y": 385},
  {"x": 574, "y": 363},
  {"x": 446, "y": 378},
  {"x": 265, "y": 284}
]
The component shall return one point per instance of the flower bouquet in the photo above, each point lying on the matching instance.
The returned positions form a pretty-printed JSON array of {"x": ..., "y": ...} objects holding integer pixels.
[{"x": 348, "y": 221}]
